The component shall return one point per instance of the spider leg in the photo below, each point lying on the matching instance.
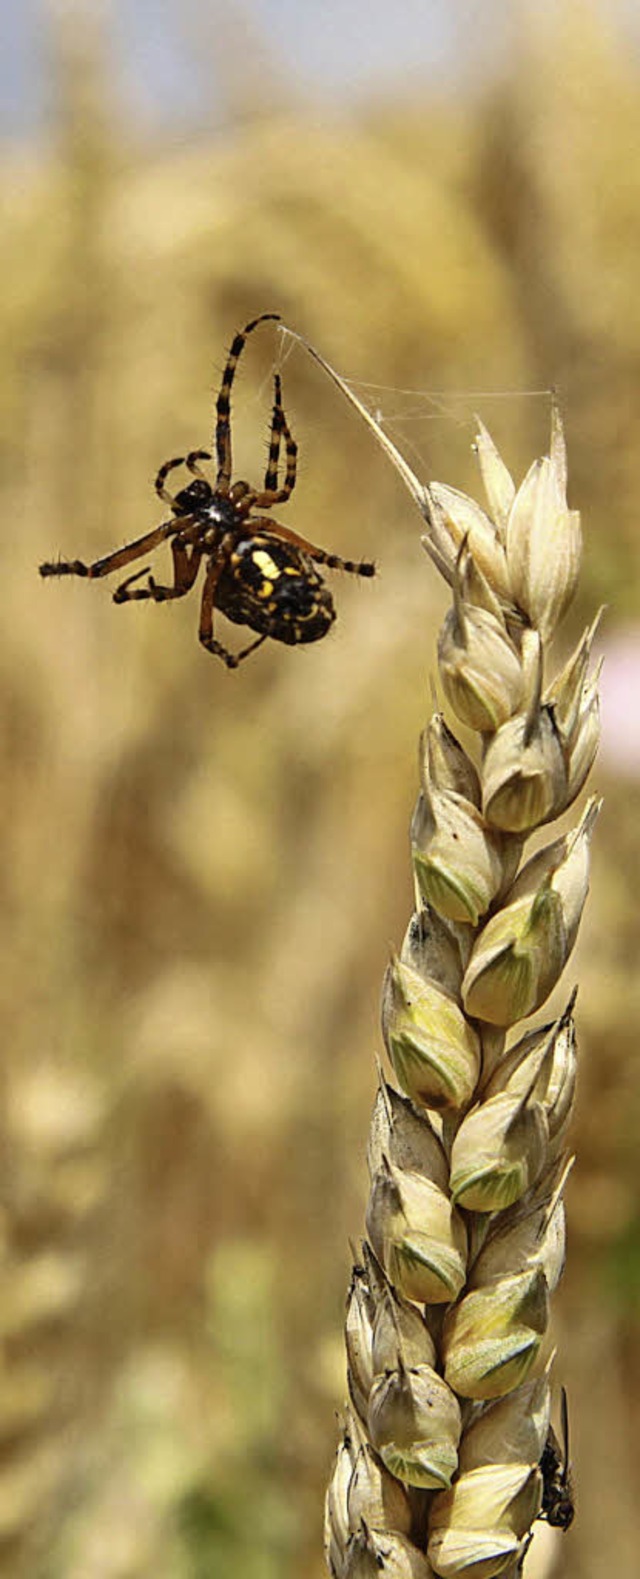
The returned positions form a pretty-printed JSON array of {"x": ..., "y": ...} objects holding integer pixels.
[
  {"x": 185, "y": 570},
  {"x": 565, "y": 1433},
  {"x": 223, "y": 404},
  {"x": 275, "y": 437},
  {"x": 250, "y": 498},
  {"x": 205, "y": 633},
  {"x": 355, "y": 567},
  {"x": 169, "y": 466},
  {"x": 191, "y": 461},
  {"x": 362, "y": 567},
  {"x": 246, "y": 650},
  {"x": 122, "y": 593},
  {"x": 114, "y": 561},
  {"x": 280, "y": 429}
]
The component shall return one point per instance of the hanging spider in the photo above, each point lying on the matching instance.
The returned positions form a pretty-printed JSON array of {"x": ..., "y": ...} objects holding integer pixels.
[
  {"x": 558, "y": 1506},
  {"x": 257, "y": 572}
]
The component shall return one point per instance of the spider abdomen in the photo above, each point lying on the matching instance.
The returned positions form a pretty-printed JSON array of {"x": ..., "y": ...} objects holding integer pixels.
[{"x": 275, "y": 589}]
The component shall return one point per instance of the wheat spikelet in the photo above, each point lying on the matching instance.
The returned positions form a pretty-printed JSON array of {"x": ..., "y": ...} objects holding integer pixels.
[{"x": 449, "y": 1379}]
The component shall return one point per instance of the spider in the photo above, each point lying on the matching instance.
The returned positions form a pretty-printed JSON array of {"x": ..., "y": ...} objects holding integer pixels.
[
  {"x": 257, "y": 572},
  {"x": 558, "y": 1506}
]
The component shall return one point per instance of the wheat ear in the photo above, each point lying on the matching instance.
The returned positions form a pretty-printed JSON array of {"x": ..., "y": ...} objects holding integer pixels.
[{"x": 438, "y": 1470}]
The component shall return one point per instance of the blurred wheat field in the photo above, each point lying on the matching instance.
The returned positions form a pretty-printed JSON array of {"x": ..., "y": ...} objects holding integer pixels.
[{"x": 204, "y": 872}]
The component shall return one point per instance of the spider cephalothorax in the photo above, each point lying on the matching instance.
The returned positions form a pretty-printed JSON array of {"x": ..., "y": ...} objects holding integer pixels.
[{"x": 257, "y": 572}]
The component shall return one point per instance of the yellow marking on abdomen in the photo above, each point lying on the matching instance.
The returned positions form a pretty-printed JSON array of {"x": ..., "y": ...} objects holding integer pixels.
[{"x": 265, "y": 563}]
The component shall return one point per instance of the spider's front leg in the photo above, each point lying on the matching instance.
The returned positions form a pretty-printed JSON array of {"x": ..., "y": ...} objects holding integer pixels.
[
  {"x": 185, "y": 570},
  {"x": 280, "y": 429}
]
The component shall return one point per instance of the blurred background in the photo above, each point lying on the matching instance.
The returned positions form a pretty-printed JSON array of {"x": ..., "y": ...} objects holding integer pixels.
[{"x": 204, "y": 872}]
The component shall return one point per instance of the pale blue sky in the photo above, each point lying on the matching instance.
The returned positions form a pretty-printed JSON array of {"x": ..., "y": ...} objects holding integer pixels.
[{"x": 163, "y": 52}]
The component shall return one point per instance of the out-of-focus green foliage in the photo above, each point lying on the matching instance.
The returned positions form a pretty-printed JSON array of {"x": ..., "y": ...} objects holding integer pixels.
[{"x": 203, "y": 872}]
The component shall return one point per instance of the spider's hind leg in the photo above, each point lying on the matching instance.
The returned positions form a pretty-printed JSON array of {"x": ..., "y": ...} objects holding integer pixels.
[
  {"x": 114, "y": 561},
  {"x": 64, "y": 567},
  {"x": 205, "y": 633},
  {"x": 247, "y": 650},
  {"x": 360, "y": 567}
]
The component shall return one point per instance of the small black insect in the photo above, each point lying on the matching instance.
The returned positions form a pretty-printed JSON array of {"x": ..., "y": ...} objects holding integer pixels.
[
  {"x": 257, "y": 572},
  {"x": 558, "y": 1506}
]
